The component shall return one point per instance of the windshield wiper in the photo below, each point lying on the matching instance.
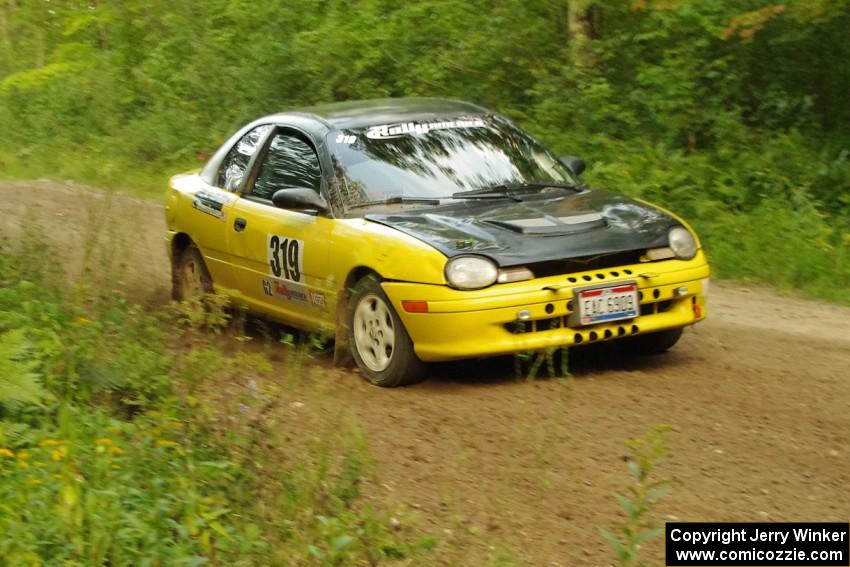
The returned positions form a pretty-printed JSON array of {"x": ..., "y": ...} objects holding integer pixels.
[
  {"x": 397, "y": 200},
  {"x": 509, "y": 189}
]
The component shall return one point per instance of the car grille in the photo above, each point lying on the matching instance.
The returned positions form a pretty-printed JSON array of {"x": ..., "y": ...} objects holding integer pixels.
[{"x": 599, "y": 262}]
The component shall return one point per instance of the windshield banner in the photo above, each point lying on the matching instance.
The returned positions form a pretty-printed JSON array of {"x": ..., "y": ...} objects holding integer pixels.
[{"x": 397, "y": 130}]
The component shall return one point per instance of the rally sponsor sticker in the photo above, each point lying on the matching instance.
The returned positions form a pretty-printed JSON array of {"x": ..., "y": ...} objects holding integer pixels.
[
  {"x": 385, "y": 131},
  {"x": 285, "y": 291}
]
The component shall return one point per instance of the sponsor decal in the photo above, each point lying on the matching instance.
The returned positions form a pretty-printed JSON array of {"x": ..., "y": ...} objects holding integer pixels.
[
  {"x": 317, "y": 298},
  {"x": 285, "y": 291},
  {"x": 346, "y": 139},
  {"x": 211, "y": 202},
  {"x": 210, "y": 210},
  {"x": 216, "y": 195},
  {"x": 285, "y": 257},
  {"x": 386, "y": 131}
]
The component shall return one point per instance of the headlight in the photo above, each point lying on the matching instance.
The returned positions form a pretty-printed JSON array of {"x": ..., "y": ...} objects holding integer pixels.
[
  {"x": 683, "y": 243},
  {"x": 471, "y": 272}
]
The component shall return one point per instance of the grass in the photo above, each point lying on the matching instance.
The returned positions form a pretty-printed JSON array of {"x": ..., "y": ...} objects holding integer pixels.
[
  {"x": 147, "y": 179},
  {"x": 114, "y": 451},
  {"x": 626, "y": 540}
]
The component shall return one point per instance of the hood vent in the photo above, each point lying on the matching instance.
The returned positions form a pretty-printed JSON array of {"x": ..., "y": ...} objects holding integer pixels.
[{"x": 552, "y": 226}]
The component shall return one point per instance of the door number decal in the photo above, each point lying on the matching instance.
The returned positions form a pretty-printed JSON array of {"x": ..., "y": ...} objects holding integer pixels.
[{"x": 285, "y": 257}]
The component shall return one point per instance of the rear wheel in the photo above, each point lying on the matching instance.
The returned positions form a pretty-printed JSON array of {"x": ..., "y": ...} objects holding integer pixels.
[
  {"x": 190, "y": 277},
  {"x": 379, "y": 342},
  {"x": 654, "y": 343}
]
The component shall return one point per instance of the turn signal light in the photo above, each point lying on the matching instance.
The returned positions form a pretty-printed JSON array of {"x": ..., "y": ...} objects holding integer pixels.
[
  {"x": 518, "y": 274},
  {"x": 414, "y": 306}
]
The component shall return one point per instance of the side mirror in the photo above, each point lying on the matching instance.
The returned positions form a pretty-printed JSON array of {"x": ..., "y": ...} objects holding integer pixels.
[
  {"x": 573, "y": 163},
  {"x": 299, "y": 199}
]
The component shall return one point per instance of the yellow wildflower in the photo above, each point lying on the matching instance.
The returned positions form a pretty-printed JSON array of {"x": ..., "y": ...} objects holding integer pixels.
[
  {"x": 33, "y": 482},
  {"x": 24, "y": 455},
  {"x": 103, "y": 442},
  {"x": 6, "y": 453},
  {"x": 166, "y": 443},
  {"x": 116, "y": 450},
  {"x": 83, "y": 320},
  {"x": 58, "y": 454},
  {"x": 52, "y": 443}
]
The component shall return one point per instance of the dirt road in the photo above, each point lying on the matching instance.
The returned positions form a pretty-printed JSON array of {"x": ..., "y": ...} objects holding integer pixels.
[{"x": 758, "y": 399}]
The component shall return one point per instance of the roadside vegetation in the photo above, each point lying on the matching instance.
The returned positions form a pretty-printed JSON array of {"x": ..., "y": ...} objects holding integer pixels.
[
  {"x": 118, "y": 445},
  {"x": 733, "y": 113},
  {"x": 647, "y": 454}
]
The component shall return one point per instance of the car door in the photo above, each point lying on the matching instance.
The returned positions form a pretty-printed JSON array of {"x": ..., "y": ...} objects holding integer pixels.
[
  {"x": 281, "y": 256},
  {"x": 211, "y": 204}
]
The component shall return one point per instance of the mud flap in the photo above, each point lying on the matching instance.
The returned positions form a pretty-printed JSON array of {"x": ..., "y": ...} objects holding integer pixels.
[{"x": 342, "y": 353}]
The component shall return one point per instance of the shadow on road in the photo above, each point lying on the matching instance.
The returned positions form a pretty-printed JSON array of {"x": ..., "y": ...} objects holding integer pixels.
[{"x": 582, "y": 362}]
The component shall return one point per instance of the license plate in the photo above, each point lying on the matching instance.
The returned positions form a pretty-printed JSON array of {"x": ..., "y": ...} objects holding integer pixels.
[{"x": 609, "y": 303}]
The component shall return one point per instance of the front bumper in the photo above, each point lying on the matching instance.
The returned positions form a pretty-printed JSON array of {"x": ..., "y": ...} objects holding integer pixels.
[{"x": 468, "y": 324}]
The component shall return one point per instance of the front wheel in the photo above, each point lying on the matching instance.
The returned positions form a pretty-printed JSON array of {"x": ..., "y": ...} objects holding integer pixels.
[{"x": 379, "y": 342}]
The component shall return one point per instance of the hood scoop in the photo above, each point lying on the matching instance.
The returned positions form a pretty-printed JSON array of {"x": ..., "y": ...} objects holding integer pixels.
[{"x": 547, "y": 225}]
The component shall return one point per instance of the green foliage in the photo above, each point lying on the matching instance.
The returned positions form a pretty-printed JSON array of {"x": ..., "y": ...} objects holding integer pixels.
[
  {"x": 647, "y": 454},
  {"x": 110, "y": 492},
  {"x": 527, "y": 365},
  {"x": 110, "y": 455},
  {"x": 19, "y": 382}
]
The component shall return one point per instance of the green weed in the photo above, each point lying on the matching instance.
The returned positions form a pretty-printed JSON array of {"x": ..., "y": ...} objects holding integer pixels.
[
  {"x": 113, "y": 451},
  {"x": 626, "y": 540},
  {"x": 527, "y": 365}
]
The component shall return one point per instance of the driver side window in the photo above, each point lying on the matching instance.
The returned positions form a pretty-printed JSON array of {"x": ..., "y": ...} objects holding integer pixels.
[
  {"x": 289, "y": 162},
  {"x": 235, "y": 163}
]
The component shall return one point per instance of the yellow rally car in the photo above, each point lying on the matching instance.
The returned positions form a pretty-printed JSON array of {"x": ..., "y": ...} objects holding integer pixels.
[{"x": 419, "y": 230}]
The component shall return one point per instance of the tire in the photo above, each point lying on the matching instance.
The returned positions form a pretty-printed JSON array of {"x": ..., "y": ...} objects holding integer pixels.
[
  {"x": 654, "y": 343},
  {"x": 378, "y": 340},
  {"x": 190, "y": 277}
]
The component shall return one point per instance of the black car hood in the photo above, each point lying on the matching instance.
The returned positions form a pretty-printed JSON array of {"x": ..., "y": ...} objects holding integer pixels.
[{"x": 567, "y": 225}]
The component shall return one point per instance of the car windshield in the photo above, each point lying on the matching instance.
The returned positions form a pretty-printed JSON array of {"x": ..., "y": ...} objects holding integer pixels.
[{"x": 437, "y": 159}]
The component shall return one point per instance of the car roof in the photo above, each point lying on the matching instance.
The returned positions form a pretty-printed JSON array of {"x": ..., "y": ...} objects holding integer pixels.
[
  {"x": 319, "y": 119},
  {"x": 362, "y": 113}
]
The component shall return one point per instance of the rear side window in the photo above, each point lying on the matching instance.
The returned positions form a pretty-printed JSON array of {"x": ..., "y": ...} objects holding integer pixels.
[
  {"x": 235, "y": 163},
  {"x": 290, "y": 162}
]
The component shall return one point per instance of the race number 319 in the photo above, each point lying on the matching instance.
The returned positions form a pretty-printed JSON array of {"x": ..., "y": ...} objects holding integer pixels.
[{"x": 285, "y": 257}]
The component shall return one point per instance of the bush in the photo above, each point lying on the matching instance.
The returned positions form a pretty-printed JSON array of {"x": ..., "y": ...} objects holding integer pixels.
[{"x": 109, "y": 454}]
